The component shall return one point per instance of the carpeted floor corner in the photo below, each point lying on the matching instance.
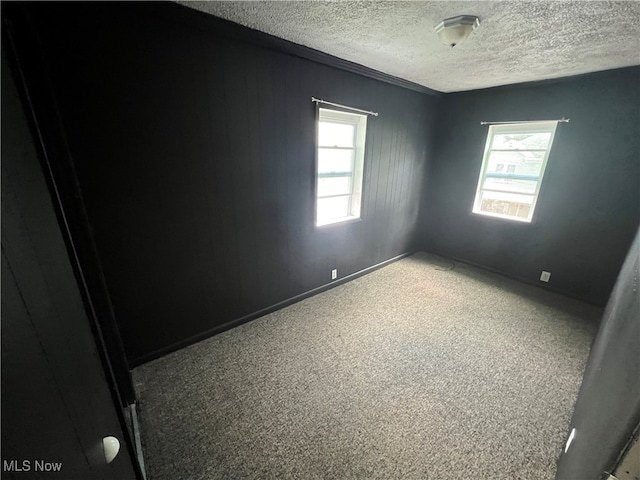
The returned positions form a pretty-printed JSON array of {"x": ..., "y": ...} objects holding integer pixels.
[{"x": 414, "y": 371}]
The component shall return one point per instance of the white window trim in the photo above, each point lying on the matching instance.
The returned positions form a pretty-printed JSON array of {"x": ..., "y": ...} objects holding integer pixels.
[
  {"x": 494, "y": 130},
  {"x": 355, "y": 197}
]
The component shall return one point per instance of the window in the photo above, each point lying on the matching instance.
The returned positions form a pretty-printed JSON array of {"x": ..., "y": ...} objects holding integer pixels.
[
  {"x": 524, "y": 149},
  {"x": 340, "y": 163}
]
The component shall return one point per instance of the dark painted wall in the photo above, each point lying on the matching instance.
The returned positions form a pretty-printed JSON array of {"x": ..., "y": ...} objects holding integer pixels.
[
  {"x": 608, "y": 406},
  {"x": 195, "y": 155},
  {"x": 589, "y": 206}
]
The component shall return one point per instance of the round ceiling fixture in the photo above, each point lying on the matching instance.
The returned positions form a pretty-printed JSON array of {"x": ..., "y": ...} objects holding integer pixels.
[{"x": 454, "y": 30}]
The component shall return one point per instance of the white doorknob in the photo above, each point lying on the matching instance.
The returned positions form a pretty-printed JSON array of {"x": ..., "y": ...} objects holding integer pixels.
[{"x": 111, "y": 446}]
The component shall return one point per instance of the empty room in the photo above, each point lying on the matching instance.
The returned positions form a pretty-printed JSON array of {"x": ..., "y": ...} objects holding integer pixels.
[{"x": 321, "y": 240}]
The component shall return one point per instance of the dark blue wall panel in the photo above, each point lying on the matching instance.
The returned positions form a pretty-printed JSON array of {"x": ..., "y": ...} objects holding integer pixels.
[
  {"x": 195, "y": 154},
  {"x": 589, "y": 205}
]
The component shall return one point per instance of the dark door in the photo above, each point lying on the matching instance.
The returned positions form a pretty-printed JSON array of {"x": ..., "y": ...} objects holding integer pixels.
[
  {"x": 607, "y": 410},
  {"x": 56, "y": 402}
]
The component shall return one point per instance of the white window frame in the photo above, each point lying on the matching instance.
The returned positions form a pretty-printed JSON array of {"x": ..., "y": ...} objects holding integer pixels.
[
  {"x": 518, "y": 128},
  {"x": 357, "y": 163}
]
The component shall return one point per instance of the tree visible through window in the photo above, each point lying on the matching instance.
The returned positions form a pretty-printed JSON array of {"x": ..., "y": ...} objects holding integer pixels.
[{"x": 524, "y": 149}]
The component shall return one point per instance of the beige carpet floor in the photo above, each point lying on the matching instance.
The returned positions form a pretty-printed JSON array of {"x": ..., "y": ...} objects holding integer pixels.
[{"x": 424, "y": 369}]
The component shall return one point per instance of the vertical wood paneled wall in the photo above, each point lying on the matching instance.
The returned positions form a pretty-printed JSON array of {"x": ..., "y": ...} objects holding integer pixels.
[
  {"x": 589, "y": 205},
  {"x": 196, "y": 154}
]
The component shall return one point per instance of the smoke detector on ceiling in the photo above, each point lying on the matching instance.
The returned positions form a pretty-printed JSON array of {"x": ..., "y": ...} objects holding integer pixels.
[{"x": 454, "y": 30}]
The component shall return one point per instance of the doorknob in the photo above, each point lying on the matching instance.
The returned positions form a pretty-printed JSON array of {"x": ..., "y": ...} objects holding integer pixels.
[{"x": 111, "y": 447}]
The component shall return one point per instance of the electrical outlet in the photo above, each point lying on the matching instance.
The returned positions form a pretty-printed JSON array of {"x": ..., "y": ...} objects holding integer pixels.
[
  {"x": 334, "y": 274},
  {"x": 545, "y": 276}
]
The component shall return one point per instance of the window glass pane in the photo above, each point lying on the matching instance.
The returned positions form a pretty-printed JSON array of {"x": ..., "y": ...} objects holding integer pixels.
[
  {"x": 510, "y": 185},
  {"x": 512, "y": 168},
  {"x": 521, "y": 141},
  {"x": 332, "y": 208},
  {"x": 506, "y": 204},
  {"x": 336, "y": 134},
  {"x": 334, "y": 186},
  {"x": 519, "y": 163},
  {"x": 330, "y": 160}
]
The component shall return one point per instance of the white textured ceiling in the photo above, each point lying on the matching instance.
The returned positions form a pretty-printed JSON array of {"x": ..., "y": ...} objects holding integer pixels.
[{"x": 516, "y": 41}]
